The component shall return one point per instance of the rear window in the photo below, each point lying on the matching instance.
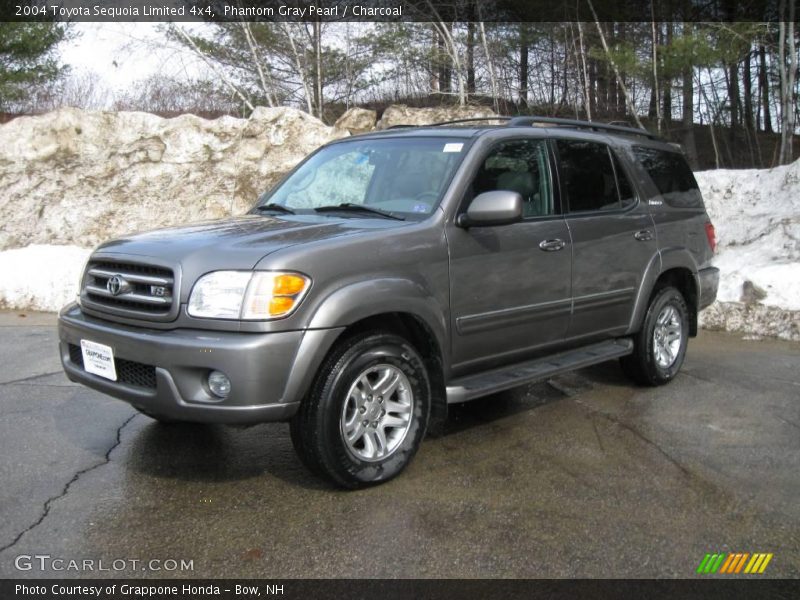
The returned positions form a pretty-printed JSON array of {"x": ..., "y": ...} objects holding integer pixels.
[
  {"x": 589, "y": 177},
  {"x": 671, "y": 175}
]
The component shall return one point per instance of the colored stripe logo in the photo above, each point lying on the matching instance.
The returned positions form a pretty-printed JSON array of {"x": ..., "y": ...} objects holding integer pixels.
[{"x": 734, "y": 563}]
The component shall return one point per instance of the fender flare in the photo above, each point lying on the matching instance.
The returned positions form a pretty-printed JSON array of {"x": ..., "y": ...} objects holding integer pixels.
[
  {"x": 662, "y": 261},
  {"x": 355, "y": 302}
]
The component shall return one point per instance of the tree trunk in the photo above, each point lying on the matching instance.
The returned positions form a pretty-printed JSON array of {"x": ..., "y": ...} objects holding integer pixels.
[
  {"x": 655, "y": 100},
  {"x": 711, "y": 118},
  {"x": 593, "y": 86},
  {"x": 687, "y": 110},
  {"x": 587, "y": 101},
  {"x": 552, "y": 70},
  {"x": 471, "y": 57},
  {"x": 667, "y": 87},
  {"x": 523, "y": 64},
  {"x": 788, "y": 72},
  {"x": 441, "y": 57},
  {"x": 617, "y": 101},
  {"x": 490, "y": 64},
  {"x": 318, "y": 101},
  {"x": 735, "y": 101},
  {"x": 747, "y": 80},
  {"x": 763, "y": 84}
]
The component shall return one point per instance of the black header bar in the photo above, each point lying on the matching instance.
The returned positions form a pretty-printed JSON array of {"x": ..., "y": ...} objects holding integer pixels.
[
  {"x": 386, "y": 10},
  {"x": 397, "y": 589}
]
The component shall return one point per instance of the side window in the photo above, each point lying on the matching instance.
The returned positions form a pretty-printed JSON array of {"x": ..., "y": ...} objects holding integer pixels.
[
  {"x": 587, "y": 176},
  {"x": 671, "y": 175},
  {"x": 518, "y": 166},
  {"x": 626, "y": 195}
]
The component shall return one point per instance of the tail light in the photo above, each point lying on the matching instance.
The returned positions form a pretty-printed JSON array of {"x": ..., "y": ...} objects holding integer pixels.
[{"x": 712, "y": 236}]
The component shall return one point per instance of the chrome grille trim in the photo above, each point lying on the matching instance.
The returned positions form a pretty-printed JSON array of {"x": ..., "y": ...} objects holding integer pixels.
[
  {"x": 133, "y": 277},
  {"x": 130, "y": 289},
  {"x": 157, "y": 300}
]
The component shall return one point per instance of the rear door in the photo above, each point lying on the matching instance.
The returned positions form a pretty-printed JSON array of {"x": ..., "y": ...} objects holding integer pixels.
[
  {"x": 510, "y": 285},
  {"x": 613, "y": 237}
]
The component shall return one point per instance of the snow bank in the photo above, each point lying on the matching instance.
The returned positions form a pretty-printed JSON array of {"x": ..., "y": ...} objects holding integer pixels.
[
  {"x": 40, "y": 277},
  {"x": 756, "y": 214},
  {"x": 78, "y": 177}
]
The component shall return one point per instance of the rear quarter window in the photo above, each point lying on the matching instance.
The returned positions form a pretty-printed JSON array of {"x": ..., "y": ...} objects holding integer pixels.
[{"x": 671, "y": 175}]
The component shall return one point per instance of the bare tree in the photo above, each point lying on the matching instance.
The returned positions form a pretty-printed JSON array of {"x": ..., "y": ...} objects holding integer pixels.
[
  {"x": 264, "y": 74},
  {"x": 210, "y": 63},
  {"x": 628, "y": 100}
]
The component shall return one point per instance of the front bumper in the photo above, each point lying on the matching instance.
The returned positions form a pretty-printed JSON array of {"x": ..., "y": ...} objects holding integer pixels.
[
  {"x": 709, "y": 283},
  {"x": 267, "y": 370}
]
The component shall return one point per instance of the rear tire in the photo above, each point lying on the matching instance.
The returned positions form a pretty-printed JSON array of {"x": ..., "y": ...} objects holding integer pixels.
[
  {"x": 660, "y": 346},
  {"x": 367, "y": 411}
]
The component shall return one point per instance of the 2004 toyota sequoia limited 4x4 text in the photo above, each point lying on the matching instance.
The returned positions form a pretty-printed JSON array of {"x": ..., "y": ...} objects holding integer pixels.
[{"x": 393, "y": 273}]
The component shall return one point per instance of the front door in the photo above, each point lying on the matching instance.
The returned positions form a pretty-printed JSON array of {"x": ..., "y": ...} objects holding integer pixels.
[{"x": 510, "y": 285}]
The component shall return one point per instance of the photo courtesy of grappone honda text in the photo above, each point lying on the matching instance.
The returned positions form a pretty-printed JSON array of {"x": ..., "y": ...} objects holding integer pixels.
[{"x": 393, "y": 273}]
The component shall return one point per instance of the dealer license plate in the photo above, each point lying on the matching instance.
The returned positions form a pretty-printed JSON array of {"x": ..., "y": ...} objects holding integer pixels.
[{"x": 98, "y": 359}]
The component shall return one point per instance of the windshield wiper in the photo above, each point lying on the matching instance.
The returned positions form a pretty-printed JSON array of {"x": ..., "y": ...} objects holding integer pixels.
[
  {"x": 276, "y": 207},
  {"x": 350, "y": 206}
]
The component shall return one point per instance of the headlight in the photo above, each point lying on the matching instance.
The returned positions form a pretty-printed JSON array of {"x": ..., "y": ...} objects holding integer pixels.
[{"x": 247, "y": 295}]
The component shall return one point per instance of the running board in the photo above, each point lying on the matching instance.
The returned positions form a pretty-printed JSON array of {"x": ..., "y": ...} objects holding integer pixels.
[{"x": 497, "y": 380}]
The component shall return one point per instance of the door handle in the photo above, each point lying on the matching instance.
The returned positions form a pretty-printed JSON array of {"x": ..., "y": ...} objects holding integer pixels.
[
  {"x": 551, "y": 245},
  {"x": 645, "y": 235}
]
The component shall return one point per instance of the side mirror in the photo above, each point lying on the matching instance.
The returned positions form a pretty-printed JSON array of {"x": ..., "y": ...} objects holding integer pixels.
[{"x": 499, "y": 207}]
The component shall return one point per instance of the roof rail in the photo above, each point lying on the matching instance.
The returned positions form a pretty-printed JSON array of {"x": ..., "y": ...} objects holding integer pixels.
[
  {"x": 455, "y": 122},
  {"x": 522, "y": 121}
]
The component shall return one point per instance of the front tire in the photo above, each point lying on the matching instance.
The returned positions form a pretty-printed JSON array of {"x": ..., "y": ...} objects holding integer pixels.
[
  {"x": 366, "y": 413},
  {"x": 660, "y": 346}
]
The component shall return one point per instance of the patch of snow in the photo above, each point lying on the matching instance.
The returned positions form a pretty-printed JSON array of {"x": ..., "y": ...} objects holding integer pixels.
[{"x": 40, "y": 277}]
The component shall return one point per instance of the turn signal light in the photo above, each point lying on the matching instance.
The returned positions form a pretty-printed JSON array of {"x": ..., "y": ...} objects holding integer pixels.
[
  {"x": 280, "y": 305},
  {"x": 288, "y": 285}
]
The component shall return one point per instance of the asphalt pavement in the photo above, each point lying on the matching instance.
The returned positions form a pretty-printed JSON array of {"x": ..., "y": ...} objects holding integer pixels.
[{"x": 583, "y": 476}]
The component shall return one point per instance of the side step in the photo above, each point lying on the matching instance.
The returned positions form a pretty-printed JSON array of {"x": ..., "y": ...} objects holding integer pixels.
[{"x": 497, "y": 380}]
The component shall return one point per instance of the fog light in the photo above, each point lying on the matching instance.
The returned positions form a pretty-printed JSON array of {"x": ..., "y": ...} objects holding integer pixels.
[{"x": 219, "y": 384}]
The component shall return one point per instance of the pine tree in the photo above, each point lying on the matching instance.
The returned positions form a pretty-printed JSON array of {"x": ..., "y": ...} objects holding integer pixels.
[{"x": 28, "y": 58}]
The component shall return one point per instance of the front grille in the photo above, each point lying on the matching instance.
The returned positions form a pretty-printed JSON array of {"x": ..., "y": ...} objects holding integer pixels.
[
  {"x": 129, "y": 289},
  {"x": 128, "y": 371}
]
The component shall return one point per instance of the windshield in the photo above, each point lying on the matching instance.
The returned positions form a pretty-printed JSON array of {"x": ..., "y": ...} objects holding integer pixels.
[{"x": 405, "y": 176}]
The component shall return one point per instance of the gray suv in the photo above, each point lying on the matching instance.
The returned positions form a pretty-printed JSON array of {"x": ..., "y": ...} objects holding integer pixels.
[{"x": 394, "y": 273}]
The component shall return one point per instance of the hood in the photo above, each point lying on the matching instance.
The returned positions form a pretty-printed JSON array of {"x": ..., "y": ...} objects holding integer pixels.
[{"x": 237, "y": 243}]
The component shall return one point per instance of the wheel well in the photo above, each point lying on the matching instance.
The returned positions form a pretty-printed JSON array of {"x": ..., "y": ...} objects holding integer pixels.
[
  {"x": 683, "y": 280},
  {"x": 422, "y": 337}
]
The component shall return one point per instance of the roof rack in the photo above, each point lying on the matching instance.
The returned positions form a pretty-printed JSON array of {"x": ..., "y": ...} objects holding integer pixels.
[
  {"x": 455, "y": 122},
  {"x": 528, "y": 120},
  {"x": 523, "y": 121}
]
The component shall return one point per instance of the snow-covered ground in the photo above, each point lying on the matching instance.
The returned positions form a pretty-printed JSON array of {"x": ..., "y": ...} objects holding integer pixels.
[
  {"x": 40, "y": 277},
  {"x": 756, "y": 214}
]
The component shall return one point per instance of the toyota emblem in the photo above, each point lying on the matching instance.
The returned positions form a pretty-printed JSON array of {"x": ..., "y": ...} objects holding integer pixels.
[{"x": 115, "y": 285}]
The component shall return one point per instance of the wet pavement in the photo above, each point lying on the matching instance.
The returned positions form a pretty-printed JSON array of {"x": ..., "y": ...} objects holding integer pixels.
[{"x": 583, "y": 476}]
